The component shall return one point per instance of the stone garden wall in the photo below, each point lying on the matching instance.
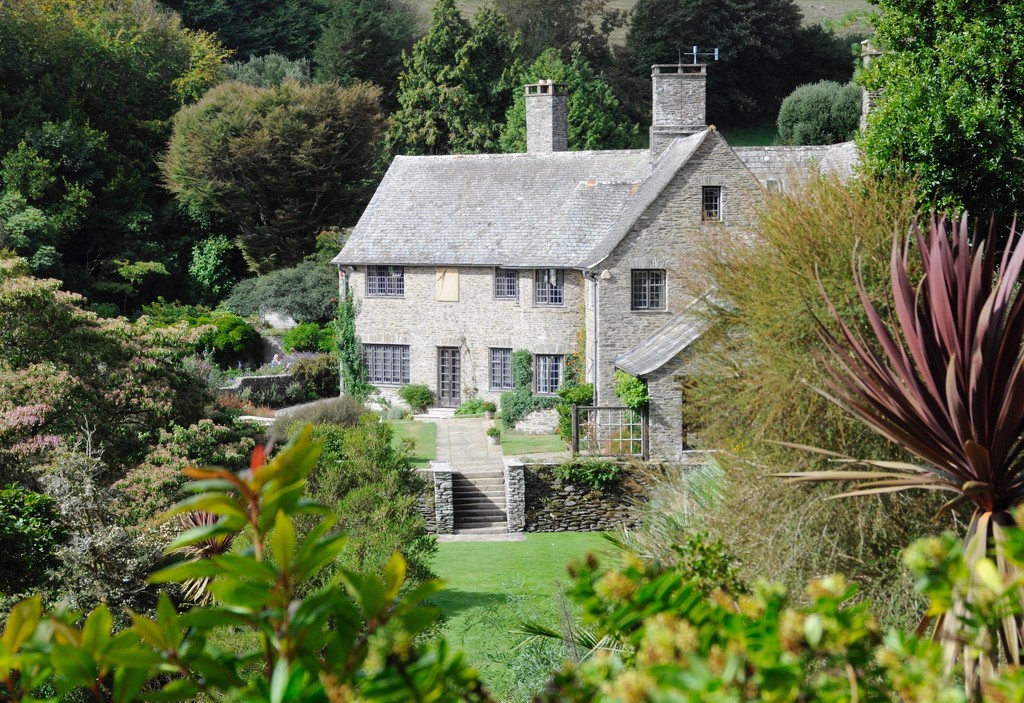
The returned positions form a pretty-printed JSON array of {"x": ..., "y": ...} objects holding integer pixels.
[
  {"x": 276, "y": 382},
  {"x": 556, "y": 506},
  {"x": 543, "y": 421}
]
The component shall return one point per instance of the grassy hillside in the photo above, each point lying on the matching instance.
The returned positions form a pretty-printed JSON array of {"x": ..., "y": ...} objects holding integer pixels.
[{"x": 815, "y": 11}]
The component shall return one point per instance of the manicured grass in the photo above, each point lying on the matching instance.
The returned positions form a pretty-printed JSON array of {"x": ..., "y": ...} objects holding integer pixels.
[
  {"x": 493, "y": 586},
  {"x": 514, "y": 443},
  {"x": 423, "y": 436}
]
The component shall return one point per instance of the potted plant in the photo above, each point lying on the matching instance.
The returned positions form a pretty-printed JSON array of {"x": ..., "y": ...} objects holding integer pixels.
[
  {"x": 489, "y": 409},
  {"x": 493, "y": 435}
]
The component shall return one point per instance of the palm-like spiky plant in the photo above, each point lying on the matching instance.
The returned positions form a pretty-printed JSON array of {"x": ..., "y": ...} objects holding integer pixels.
[
  {"x": 196, "y": 589},
  {"x": 946, "y": 383}
]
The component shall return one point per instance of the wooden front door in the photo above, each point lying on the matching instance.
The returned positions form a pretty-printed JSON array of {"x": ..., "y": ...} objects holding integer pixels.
[{"x": 449, "y": 377}]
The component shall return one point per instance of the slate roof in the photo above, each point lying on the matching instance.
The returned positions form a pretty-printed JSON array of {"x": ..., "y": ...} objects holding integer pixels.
[
  {"x": 564, "y": 209},
  {"x": 664, "y": 344},
  {"x": 797, "y": 161}
]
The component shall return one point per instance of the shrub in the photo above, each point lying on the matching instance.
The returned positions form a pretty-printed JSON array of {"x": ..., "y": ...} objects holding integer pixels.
[
  {"x": 580, "y": 394},
  {"x": 493, "y": 432},
  {"x": 308, "y": 337},
  {"x": 318, "y": 375},
  {"x": 476, "y": 406},
  {"x": 630, "y": 390},
  {"x": 233, "y": 341},
  {"x": 30, "y": 530},
  {"x": 344, "y": 411},
  {"x": 306, "y": 293},
  {"x": 418, "y": 396},
  {"x": 515, "y": 405},
  {"x": 595, "y": 474},
  {"x": 820, "y": 113}
]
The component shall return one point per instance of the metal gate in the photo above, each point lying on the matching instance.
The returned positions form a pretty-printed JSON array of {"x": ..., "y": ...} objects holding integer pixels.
[{"x": 608, "y": 431}]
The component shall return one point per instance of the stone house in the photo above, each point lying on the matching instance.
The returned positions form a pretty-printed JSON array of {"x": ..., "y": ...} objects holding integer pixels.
[{"x": 460, "y": 260}]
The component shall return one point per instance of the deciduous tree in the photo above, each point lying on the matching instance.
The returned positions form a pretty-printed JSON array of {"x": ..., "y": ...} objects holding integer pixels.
[
  {"x": 596, "y": 120},
  {"x": 952, "y": 82},
  {"x": 279, "y": 164}
]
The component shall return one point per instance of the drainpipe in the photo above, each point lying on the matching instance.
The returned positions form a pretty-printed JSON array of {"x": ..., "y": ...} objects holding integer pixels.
[{"x": 592, "y": 372}]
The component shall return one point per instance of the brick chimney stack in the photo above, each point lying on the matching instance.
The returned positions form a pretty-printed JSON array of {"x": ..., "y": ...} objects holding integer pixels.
[
  {"x": 680, "y": 96},
  {"x": 547, "y": 119}
]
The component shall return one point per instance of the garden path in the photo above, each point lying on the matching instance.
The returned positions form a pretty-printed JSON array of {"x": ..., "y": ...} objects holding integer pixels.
[{"x": 462, "y": 442}]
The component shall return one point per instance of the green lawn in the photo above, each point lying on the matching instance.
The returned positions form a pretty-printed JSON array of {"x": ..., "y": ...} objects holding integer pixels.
[
  {"x": 492, "y": 586},
  {"x": 513, "y": 443},
  {"x": 423, "y": 436}
]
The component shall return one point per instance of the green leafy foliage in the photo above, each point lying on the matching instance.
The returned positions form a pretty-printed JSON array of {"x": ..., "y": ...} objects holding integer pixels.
[
  {"x": 87, "y": 94},
  {"x": 595, "y": 117},
  {"x": 350, "y": 352},
  {"x": 769, "y": 300},
  {"x": 517, "y": 403},
  {"x": 277, "y": 164},
  {"x": 306, "y": 292},
  {"x": 764, "y": 51},
  {"x": 351, "y": 635},
  {"x": 231, "y": 341},
  {"x": 30, "y": 530},
  {"x": 596, "y": 474},
  {"x": 417, "y": 396},
  {"x": 631, "y": 390},
  {"x": 318, "y": 375},
  {"x": 820, "y": 113},
  {"x": 124, "y": 379},
  {"x": 949, "y": 114},
  {"x": 578, "y": 26},
  {"x": 456, "y": 87},
  {"x": 364, "y": 40},
  {"x": 268, "y": 71},
  {"x": 252, "y": 29},
  {"x": 212, "y": 271},
  {"x": 308, "y": 337},
  {"x": 476, "y": 406},
  {"x": 579, "y": 394}
]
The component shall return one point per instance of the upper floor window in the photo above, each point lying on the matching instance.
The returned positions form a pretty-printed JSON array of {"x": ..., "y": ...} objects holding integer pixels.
[
  {"x": 648, "y": 292},
  {"x": 501, "y": 369},
  {"x": 549, "y": 287},
  {"x": 506, "y": 284},
  {"x": 385, "y": 280},
  {"x": 548, "y": 373},
  {"x": 711, "y": 204},
  {"x": 386, "y": 364}
]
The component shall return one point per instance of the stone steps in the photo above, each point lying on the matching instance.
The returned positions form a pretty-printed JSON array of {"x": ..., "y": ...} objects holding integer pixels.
[
  {"x": 478, "y": 499},
  {"x": 495, "y": 528}
]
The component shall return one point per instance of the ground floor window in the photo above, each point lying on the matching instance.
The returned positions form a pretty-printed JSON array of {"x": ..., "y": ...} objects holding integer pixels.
[
  {"x": 548, "y": 373},
  {"x": 386, "y": 364},
  {"x": 501, "y": 369}
]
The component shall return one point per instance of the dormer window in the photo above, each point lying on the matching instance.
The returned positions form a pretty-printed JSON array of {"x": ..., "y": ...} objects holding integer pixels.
[
  {"x": 711, "y": 204},
  {"x": 549, "y": 287},
  {"x": 387, "y": 281}
]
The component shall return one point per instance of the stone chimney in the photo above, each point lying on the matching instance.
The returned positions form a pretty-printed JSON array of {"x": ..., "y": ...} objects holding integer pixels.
[
  {"x": 547, "y": 120},
  {"x": 680, "y": 95}
]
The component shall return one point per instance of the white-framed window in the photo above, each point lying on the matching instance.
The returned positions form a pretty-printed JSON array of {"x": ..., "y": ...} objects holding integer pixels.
[
  {"x": 547, "y": 373},
  {"x": 711, "y": 204},
  {"x": 386, "y": 281},
  {"x": 648, "y": 289},
  {"x": 506, "y": 284},
  {"x": 386, "y": 364},
  {"x": 501, "y": 369},
  {"x": 773, "y": 185},
  {"x": 549, "y": 287}
]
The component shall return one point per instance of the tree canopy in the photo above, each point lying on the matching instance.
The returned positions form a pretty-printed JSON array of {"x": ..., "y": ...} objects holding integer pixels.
[
  {"x": 456, "y": 87},
  {"x": 826, "y": 112},
  {"x": 364, "y": 40},
  {"x": 276, "y": 164},
  {"x": 87, "y": 91},
  {"x": 596, "y": 120},
  {"x": 583, "y": 26},
  {"x": 951, "y": 110},
  {"x": 764, "y": 51}
]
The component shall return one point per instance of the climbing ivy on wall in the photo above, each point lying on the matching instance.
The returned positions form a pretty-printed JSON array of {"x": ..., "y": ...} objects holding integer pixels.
[
  {"x": 353, "y": 371},
  {"x": 515, "y": 404}
]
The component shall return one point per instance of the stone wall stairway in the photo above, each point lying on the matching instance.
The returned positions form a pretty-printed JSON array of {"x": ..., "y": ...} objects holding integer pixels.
[{"x": 479, "y": 501}]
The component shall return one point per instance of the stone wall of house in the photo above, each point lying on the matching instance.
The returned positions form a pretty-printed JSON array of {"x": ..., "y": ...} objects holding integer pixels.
[
  {"x": 556, "y": 506},
  {"x": 476, "y": 323},
  {"x": 671, "y": 236},
  {"x": 543, "y": 421}
]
